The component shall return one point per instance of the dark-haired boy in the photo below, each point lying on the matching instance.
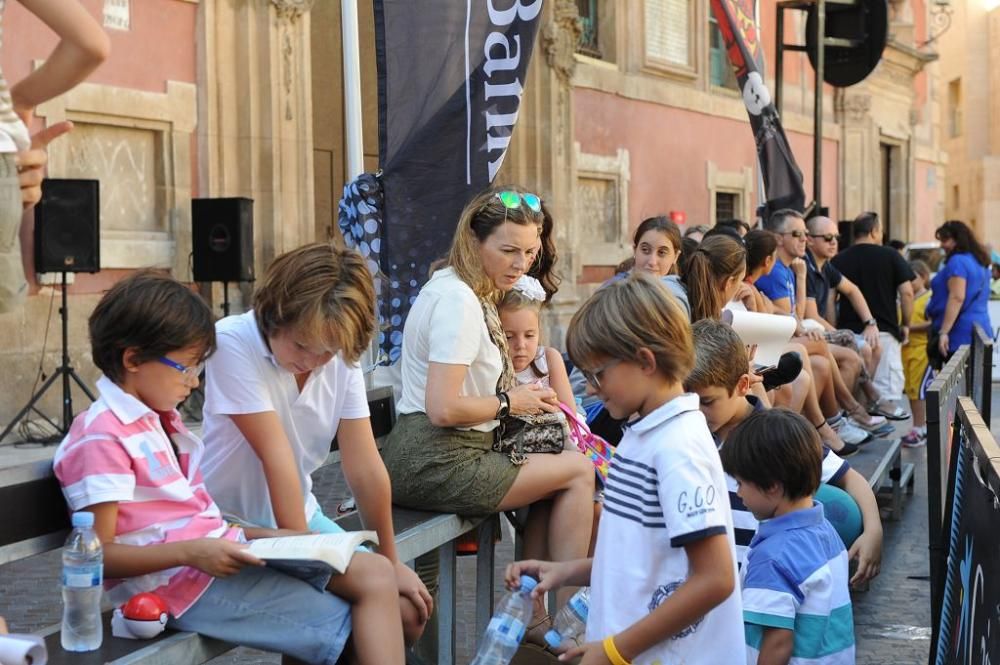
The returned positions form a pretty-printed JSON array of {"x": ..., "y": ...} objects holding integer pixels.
[
  {"x": 722, "y": 382},
  {"x": 794, "y": 582}
]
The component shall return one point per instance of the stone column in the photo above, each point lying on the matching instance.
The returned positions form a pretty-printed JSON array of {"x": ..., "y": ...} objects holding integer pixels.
[
  {"x": 255, "y": 122},
  {"x": 541, "y": 155}
]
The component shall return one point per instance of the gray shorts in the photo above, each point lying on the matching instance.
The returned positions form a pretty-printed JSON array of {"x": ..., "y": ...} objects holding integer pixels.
[
  {"x": 13, "y": 287},
  {"x": 266, "y": 609}
]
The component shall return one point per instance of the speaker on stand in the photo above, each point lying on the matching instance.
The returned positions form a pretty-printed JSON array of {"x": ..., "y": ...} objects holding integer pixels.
[
  {"x": 67, "y": 239},
  {"x": 222, "y": 242}
]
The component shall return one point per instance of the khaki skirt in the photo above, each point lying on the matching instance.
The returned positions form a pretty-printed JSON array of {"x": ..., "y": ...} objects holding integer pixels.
[{"x": 446, "y": 470}]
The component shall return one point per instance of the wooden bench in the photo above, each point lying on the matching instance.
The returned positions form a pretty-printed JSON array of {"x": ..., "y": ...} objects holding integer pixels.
[
  {"x": 880, "y": 462},
  {"x": 34, "y": 519}
]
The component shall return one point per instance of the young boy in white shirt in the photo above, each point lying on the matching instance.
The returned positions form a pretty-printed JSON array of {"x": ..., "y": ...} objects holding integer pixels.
[{"x": 663, "y": 573}]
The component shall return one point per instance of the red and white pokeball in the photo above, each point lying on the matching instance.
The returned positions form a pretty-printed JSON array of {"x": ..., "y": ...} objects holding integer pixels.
[{"x": 142, "y": 617}]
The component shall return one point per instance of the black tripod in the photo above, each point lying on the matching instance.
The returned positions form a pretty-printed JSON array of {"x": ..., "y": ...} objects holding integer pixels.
[{"x": 66, "y": 371}]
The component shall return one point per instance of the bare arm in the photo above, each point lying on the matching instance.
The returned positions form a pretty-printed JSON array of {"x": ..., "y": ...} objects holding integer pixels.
[
  {"x": 776, "y": 647},
  {"x": 853, "y": 294},
  {"x": 868, "y": 546},
  {"x": 812, "y": 312},
  {"x": 782, "y": 306},
  {"x": 265, "y": 434},
  {"x": 710, "y": 581},
  {"x": 83, "y": 46},
  {"x": 369, "y": 481},
  {"x": 906, "y": 302},
  {"x": 215, "y": 556},
  {"x": 558, "y": 378}
]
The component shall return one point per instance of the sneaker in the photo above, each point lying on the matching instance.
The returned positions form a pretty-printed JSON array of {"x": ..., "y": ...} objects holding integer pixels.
[
  {"x": 886, "y": 408},
  {"x": 848, "y": 449},
  {"x": 850, "y": 433},
  {"x": 879, "y": 432},
  {"x": 914, "y": 439}
]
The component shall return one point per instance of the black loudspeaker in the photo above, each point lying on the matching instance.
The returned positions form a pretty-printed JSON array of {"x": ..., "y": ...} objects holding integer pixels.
[
  {"x": 67, "y": 226},
  {"x": 222, "y": 239}
]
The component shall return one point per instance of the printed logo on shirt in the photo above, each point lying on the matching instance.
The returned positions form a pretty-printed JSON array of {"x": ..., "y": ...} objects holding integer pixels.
[
  {"x": 661, "y": 594},
  {"x": 699, "y": 502},
  {"x": 157, "y": 469}
]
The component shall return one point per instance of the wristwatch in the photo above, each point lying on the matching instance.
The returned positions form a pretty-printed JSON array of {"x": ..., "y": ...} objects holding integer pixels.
[
  {"x": 504, "y": 409},
  {"x": 871, "y": 322}
]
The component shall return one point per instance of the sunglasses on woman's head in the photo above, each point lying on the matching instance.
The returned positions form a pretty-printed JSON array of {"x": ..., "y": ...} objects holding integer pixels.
[{"x": 512, "y": 200}]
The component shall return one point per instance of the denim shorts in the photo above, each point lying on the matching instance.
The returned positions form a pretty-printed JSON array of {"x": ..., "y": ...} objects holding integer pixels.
[{"x": 266, "y": 609}]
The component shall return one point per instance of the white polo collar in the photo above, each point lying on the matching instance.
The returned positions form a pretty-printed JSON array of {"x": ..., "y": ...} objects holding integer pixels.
[
  {"x": 660, "y": 415},
  {"x": 126, "y": 408}
]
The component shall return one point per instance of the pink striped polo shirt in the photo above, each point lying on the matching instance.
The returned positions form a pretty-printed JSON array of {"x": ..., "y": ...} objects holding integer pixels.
[{"x": 119, "y": 450}]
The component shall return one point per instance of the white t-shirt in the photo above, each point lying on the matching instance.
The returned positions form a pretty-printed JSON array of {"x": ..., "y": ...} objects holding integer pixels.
[
  {"x": 665, "y": 489},
  {"x": 243, "y": 377},
  {"x": 446, "y": 325}
]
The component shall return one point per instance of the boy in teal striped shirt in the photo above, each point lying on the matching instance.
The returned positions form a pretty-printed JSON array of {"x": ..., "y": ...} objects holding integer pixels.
[{"x": 796, "y": 603}]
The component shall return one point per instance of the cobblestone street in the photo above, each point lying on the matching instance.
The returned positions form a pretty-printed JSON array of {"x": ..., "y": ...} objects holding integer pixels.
[{"x": 892, "y": 619}]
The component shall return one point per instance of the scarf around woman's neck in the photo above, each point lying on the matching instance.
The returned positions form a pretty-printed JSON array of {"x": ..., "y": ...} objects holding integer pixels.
[{"x": 493, "y": 325}]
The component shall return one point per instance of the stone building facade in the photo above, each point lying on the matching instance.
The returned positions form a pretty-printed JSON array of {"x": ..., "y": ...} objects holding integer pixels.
[
  {"x": 624, "y": 115},
  {"x": 969, "y": 90}
]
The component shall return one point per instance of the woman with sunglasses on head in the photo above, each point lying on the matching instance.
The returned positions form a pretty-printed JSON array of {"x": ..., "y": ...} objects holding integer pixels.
[{"x": 458, "y": 386}]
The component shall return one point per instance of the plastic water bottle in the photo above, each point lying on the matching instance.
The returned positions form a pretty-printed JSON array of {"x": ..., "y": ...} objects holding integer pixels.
[
  {"x": 82, "y": 585},
  {"x": 571, "y": 622},
  {"x": 506, "y": 630}
]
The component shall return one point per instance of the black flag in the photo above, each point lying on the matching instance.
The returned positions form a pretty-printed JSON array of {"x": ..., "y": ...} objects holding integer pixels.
[
  {"x": 782, "y": 178},
  {"x": 450, "y": 78}
]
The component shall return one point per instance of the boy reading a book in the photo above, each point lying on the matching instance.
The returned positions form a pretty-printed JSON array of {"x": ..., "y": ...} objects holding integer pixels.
[
  {"x": 796, "y": 603},
  {"x": 722, "y": 383},
  {"x": 129, "y": 460},
  {"x": 663, "y": 573}
]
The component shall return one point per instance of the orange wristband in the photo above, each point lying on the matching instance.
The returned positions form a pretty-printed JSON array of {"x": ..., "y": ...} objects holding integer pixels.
[{"x": 611, "y": 651}]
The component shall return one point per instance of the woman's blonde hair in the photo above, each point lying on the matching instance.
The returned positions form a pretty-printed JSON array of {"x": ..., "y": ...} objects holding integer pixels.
[
  {"x": 324, "y": 293},
  {"x": 483, "y": 215},
  {"x": 626, "y": 316}
]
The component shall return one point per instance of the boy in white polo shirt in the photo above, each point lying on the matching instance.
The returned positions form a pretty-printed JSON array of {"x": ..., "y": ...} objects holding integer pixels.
[
  {"x": 796, "y": 602},
  {"x": 283, "y": 383},
  {"x": 663, "y": 576}
]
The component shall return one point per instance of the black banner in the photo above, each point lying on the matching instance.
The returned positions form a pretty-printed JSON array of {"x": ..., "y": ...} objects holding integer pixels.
[
  {"x": 969, "y": 630},
  {"x": 782, "y": 178},
  {"x": 451, "y": 75}
]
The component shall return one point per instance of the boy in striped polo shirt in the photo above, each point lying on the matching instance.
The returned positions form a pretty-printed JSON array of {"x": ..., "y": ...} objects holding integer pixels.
[
  {"x": 131, "y": 462},
  {"x": 796, "y": 603}
]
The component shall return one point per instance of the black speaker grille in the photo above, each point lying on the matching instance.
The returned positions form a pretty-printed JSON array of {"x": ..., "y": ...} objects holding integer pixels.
[{"x": 67, "y": 226}]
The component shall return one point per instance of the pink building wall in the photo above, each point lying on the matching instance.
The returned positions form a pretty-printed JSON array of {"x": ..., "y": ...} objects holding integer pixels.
[
  {"x": 670, "y": 147},
  {"x": 159, "y": 47}
]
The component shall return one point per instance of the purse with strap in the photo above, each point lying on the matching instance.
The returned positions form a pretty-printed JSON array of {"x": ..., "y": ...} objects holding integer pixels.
[{"x": 518, "y": 435}]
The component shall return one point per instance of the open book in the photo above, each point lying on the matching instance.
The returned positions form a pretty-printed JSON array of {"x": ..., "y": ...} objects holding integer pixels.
[{"x": 304, "y": 556}]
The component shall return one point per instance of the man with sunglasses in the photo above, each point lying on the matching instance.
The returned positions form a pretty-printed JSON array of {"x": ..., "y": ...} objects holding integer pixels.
[
  {"x": 823, "y": 278},
  {"x": 882, "y": 276}
]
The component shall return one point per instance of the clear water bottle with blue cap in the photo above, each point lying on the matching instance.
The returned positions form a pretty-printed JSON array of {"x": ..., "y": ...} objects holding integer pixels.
[
  {"x": 506, "y": 629},
  {"x": 82, "y": 585},
  {"x": 571, "y": 622}
]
